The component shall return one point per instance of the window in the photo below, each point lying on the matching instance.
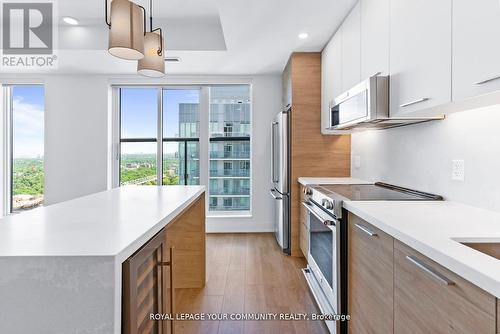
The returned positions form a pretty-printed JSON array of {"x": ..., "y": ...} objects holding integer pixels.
[
  {"x": 25, "y": 113},
  {"x": 141, "y": 110},
  {"x": 230, "y": 148},
  {"x": 181, "y": 136},
  {"x": 207, "y": 127},
  {"x": 24, "y": 146},
  {"x": 138, "y": 136}
]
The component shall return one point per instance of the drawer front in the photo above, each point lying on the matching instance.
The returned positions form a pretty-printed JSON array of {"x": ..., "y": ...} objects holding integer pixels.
[
  {"x": 370, "y": 278},
  {"x": 430, "y": 299}
]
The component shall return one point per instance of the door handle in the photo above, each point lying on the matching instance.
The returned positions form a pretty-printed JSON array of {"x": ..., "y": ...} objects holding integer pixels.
[
  {"x": 487, "y": 80},
  {"x": 272, "y": 192},
  {"x": 434, "y": 274},
  {"x": 407, "y": 104},
  {"x": 366, "y": 230}
]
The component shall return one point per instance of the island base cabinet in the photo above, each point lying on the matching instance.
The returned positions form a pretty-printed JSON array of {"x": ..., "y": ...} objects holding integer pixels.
[
  {"x": 370, "y": 278},
  {"x": 173, "y": 259},
  {"x": 430, "y": 299}
]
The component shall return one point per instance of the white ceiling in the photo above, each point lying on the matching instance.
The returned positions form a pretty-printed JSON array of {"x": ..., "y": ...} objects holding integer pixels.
[{"x": 212, "y": 37}]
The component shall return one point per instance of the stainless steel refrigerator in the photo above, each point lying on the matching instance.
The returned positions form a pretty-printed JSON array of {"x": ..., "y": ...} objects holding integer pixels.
[{"x": 280, "y": 177}]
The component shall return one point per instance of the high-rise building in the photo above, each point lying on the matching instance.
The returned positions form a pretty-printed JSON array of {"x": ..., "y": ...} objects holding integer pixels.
[
  {"x": 189, "y": 122},
  {"x": 230, "y": 122}
]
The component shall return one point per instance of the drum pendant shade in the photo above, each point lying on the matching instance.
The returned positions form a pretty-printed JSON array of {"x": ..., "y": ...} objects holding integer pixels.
[{"x": 126, "y": 34}]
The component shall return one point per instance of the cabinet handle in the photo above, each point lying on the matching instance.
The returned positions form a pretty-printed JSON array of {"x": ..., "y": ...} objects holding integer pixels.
[
  {"x": 172, "y": 290},
  {"x": 366, "y": 230},
  {"x": 407, "y": 104},
  {"x": 437, "y": 276},
  {"x": 487, "y": 80}
]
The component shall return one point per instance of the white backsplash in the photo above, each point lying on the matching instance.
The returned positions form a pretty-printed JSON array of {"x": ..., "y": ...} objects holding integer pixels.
[{"x": 420, "y": 156}]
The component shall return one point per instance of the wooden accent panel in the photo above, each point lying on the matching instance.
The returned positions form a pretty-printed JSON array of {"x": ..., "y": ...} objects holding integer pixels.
[
  {"x": 422, "y": 304},
  {"x": 186, "y": 234},
  {"x": 370, "y": 279},
  {"x": 313, "y": 154},
  {"x": 491, "y": 249},
  {"x": 304, "y": 229},
  {"x": 142, "y": 288},
  {"x": 498, "y": 316}
]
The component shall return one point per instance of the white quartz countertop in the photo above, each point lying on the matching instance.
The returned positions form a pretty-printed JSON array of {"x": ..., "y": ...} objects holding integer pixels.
[
  {"x": 110, "y": 223},
  {"x": 309, "y": 181},
  {"x": 435, "y": 229}
]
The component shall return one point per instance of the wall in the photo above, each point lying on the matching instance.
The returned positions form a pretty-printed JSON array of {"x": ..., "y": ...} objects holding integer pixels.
[
  {"x": 75, "y": 136},
  {"x": 420, "y": 156}
]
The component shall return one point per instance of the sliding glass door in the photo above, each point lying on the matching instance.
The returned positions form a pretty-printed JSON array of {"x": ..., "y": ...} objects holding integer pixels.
[
  {"x": 159, "y": 136},
  {"x": 181, "y": 136}
]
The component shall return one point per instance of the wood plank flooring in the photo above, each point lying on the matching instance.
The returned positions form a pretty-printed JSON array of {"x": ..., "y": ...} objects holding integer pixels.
[{"x": 247, "y": 273}]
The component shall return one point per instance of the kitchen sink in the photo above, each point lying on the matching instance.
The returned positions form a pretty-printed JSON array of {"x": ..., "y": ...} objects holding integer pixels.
[{"x": 489, "y": 248}]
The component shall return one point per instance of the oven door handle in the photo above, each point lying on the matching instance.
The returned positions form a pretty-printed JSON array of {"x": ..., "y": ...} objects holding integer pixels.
[{"x": 323, "y": 217}]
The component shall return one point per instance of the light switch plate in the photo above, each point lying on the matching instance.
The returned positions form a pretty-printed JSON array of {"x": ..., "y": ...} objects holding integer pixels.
[
  {"x": 357, "y": 161},
  {"x": 458, "y": 170}
]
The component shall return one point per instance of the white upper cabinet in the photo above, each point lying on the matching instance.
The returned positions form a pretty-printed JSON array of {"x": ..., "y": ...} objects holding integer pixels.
[
  {"x": 331, "y": 77},
  {"x": 351, "y": 49},
  {"x": 476, "y": 47},
  {"x": 420, "y": 54},
  {"x": 374, "y": 37}
]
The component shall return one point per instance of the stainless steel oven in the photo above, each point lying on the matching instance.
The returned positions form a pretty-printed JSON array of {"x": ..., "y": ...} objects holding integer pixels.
[{"x": 324, "y": 260}]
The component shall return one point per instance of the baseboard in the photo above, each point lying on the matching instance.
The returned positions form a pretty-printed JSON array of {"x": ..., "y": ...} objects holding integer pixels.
[{"x": 224, "y": 225}]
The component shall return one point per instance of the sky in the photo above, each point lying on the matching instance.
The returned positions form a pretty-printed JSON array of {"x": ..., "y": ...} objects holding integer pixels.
[
  {"x": 28, "y": 105},
  {"x": 139, "y": 116}
]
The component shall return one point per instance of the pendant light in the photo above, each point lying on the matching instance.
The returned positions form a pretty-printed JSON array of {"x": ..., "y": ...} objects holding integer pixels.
[
  {"x": 127, "y": 25},
  {"x": 153, "y": 63}
]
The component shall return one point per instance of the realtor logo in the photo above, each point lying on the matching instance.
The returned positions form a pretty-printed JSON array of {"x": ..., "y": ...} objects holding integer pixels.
[
  {"x": 28, "y": 35},
  {"x": 27, "y": 28}
]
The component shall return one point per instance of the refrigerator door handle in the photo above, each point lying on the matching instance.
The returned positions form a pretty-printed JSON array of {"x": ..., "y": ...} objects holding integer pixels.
[
  {"x": 273, "y": 193},
  {"x": 273, "y": 153}
]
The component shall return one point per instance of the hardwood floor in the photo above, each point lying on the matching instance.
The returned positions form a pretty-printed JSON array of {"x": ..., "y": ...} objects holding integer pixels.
[{"x": 246, "y": 273}]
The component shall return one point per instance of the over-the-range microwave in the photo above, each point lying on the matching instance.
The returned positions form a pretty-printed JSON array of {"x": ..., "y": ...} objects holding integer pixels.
[{"x": 366, "y": 106}]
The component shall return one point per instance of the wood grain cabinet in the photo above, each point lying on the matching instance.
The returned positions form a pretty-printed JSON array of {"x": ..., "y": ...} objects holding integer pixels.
[
  {"x": 420, "y": 54},
  {"x": 430, "y": 299},
  {"x": 476, "y": 50},
  {"x": 304, "y": 226},
  {"x": 173, "y": 259},
  {"x": 147, "y": 288},
  {"x": 370, "y": 278},
  {"x": 312, "y": 154}
]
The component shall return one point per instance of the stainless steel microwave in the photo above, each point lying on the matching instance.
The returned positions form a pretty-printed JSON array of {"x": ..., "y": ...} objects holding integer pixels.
[
  {"x": 366, "y": 106},
  {"x": 366, "y": 102}
]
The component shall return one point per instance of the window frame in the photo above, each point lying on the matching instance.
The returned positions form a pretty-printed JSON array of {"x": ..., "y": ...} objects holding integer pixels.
[{"x": 204, "y": 138}]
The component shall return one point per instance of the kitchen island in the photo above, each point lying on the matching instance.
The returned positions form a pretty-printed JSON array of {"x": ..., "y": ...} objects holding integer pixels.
[{"x": 64, "y": 268}]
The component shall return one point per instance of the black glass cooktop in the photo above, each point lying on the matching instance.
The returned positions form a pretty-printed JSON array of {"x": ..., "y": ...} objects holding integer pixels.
[{"x": 375, "y": 192}]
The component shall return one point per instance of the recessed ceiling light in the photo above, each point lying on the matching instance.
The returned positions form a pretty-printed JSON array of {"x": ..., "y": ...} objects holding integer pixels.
[
  {"x": 70, "y": 20},
  {"x": 303, "y": 35}
]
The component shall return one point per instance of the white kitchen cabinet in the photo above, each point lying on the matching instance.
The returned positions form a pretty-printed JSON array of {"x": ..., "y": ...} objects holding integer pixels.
[
  {"x": 331, "y": 77},
  {"x": 476, "y": 47},
  {"x": 374, "y": 37},
  {"x": 351, "y": 49},
  {"x": 420, "y": 54}
]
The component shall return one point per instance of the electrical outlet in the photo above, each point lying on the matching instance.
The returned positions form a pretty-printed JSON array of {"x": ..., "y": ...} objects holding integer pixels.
[
  {"x": 458, "y": 170},
  {"x": 357, "y": 161}
]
